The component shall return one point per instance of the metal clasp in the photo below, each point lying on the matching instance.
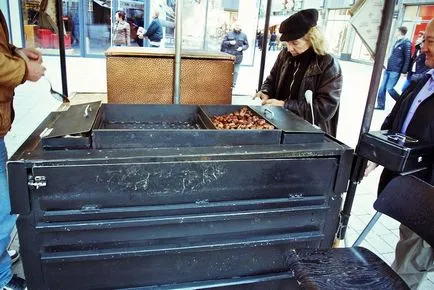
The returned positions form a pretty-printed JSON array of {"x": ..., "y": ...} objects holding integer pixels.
[
  {"x": 398, "y": 137},
  {"x": 37, "y": 181},
  {"x": 268, "y": 113}
]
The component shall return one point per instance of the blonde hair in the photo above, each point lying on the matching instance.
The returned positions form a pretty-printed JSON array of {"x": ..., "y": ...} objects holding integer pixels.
[{"x": 316, "y": 38}]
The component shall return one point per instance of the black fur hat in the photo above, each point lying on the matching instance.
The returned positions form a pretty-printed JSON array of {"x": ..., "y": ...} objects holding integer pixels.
[{"x": 298, "y": 24}]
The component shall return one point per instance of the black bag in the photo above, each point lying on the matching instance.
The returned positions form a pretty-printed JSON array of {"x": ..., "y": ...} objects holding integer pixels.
[{"x": 410, "y": 201}]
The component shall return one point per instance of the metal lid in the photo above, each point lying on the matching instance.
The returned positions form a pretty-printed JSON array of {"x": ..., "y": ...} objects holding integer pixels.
[
  {"x": 285, "y": 120},
  {"x": 76, "y": 120}
]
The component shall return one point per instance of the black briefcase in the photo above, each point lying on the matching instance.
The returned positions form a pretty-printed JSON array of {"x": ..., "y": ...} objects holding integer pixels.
[{"x": 396, "y": 151}]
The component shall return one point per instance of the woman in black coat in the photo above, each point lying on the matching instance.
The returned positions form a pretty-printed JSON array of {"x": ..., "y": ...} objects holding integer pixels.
[{"x": 303, "y": 66}]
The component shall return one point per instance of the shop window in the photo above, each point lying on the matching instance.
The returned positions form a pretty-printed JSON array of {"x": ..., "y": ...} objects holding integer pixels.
[
  {"x": 426, "y": 12},
  {"x": 336, "y": 30},
  {"x": 40, "y": 25},
  {"x": 410, "y": 13},
  {"x": 359, "y": 51}
]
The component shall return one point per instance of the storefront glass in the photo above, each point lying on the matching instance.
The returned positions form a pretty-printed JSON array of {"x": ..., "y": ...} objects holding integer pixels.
[
  {"x": 40, "y": 25},
  {"x": 359, "y": 51},
  {"x": 71, "y": 16},
  {"x": 416, "y": 19},
  {"x": 135, "y": 16},
  {"x": 97, "y": 26},
  {"x": 410, "y": 13},
  {"x": 337, "y": 29},
  {"x": 205, "y": 23}
]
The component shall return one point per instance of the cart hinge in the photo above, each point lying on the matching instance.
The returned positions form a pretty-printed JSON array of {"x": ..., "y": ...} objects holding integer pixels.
[{"x": 37, "y": 181}]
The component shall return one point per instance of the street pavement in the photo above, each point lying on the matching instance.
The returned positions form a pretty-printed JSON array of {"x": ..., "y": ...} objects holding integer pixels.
[{"x": 33, "y": 103}]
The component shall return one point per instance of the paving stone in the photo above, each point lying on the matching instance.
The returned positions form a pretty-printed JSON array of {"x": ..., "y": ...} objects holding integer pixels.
[
  {"x": 391, "y": 239},
  {"x": 388, "y": 258},
  {"x": 366, "y": 244},
  {"x": 379, "y": 244},
  {"x": 363, "y": 204},
  {"x": 426, "y": 285},
  {"x": 356, "y": 223},
  {"x": 351, "y": 235},
  {"x": 389, "y": 223}
]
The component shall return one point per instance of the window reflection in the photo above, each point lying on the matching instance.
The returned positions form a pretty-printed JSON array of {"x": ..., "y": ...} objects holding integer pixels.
[{"x": 40, "y": 25}]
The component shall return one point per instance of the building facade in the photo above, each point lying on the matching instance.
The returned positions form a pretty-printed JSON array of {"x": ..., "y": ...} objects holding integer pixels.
[{"x": 88, "y": 23}]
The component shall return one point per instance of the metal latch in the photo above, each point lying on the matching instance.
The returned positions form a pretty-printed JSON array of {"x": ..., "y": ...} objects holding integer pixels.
[
  {"x": 37, "y": 181},
  {"x": 89, "y": 208}
]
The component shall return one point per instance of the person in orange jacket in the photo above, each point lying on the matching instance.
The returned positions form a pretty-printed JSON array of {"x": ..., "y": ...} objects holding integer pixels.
[{"x": 14, "y": 70}]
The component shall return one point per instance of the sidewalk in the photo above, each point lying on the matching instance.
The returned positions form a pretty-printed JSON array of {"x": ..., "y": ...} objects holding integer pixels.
[{"x": 33, "y": 103}]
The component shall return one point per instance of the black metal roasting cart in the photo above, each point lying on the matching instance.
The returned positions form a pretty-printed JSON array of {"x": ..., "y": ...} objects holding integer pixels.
[{"x": 124, "y": 196}]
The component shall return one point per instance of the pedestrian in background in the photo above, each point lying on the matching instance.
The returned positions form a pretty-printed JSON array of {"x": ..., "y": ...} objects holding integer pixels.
[
  {"x": 417, "y": 68},
  {"x": 14, "y": 71},
  {"x": 305, "y": 79},
  {"x": 260, "y": 40},
  {"x": 397, "y": 64},
  {"x": 154, "y": 32},
  {"x": 413, "y": 116},
  {"x": 235, "y": 42},
  {"x": 273, "y": 41},
  {"x": 121, "y": 30}
]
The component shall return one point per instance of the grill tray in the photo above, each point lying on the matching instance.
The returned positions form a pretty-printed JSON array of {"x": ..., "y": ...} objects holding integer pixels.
[
  {"x": 164, "y": 126},
  {"x": 158, "y": 126}
]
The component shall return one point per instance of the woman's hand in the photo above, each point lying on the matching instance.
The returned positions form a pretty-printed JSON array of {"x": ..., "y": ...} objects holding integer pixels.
[
  {"x": 274, "y": 102},
  {"x": 261, "y": 95},
  {"x": 369, "y": 168}
]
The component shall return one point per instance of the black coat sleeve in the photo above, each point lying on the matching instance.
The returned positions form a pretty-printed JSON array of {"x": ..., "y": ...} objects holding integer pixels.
[{"x": 270, "y": 84}]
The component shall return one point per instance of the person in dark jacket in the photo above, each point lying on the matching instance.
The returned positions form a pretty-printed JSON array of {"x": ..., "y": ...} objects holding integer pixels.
[
  {"x": 417, "y": 68},
  {"x": 235, "y": 42},
  {"x": 413, "y": 116},
  {"x": 273, "y": 41},
  {"x": 154, "y": 32},
  {"x": 304, "y": 68},
  {"x": 397, "y": 64}
]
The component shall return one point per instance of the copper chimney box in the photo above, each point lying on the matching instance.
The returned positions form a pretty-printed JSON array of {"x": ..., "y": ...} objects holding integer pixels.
[{"x": 137, "y": 75}]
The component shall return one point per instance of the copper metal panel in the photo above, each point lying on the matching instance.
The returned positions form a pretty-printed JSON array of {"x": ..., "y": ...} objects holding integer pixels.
[
  {"x": 206, "y": 81},
  {"x": 139, "y": 79}
]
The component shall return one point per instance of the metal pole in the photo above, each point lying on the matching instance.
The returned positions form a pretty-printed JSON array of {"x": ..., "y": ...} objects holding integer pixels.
[
  {"x": 360, "y": 163},
  {"x": 264, "y": 44},
  {"x": 178, "y": 47},
  {"x": 59, "y": 12},
  {"x": 325, "y": 13}
]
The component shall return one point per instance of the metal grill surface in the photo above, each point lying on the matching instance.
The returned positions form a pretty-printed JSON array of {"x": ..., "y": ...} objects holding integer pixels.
[{"x": 151, "y": 125}]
